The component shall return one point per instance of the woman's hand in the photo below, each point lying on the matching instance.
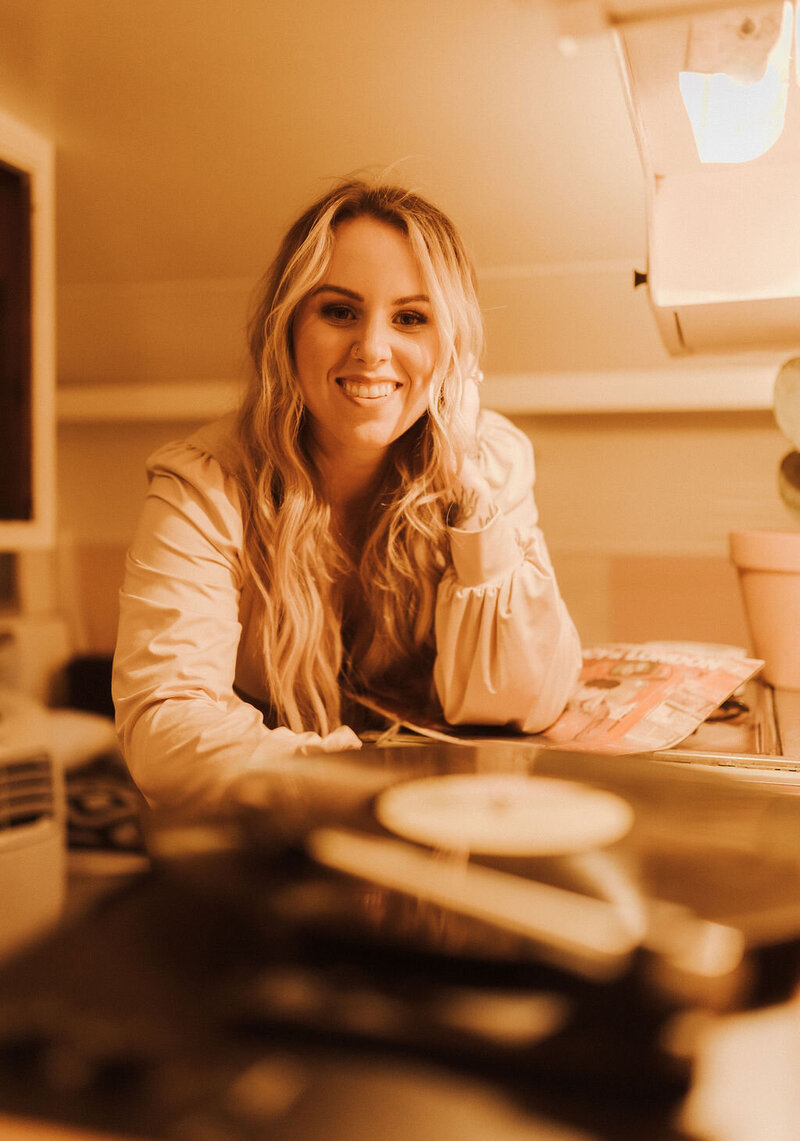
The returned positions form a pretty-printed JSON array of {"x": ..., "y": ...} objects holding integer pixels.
[
  {"x": 473, "y": 506},
  {"x": 286, "y": 743},
  {"x": 335, "y": 742}
]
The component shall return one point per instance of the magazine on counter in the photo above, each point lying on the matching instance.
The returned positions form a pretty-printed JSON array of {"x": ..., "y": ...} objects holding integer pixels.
[{"x": 629, "y": 698}]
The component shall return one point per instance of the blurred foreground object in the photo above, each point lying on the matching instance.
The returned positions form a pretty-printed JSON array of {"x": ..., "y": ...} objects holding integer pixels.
[{"x": 277, "y": 968}]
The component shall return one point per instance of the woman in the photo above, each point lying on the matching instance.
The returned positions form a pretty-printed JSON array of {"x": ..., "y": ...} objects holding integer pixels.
[{"x": 358, "y": 529}]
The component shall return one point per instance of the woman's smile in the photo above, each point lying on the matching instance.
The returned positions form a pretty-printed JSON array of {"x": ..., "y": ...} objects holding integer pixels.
[{"x": 361, "y": 388}]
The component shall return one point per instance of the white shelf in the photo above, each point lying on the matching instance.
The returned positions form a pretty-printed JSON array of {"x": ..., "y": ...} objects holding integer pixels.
[
  {"x": 675, "y": 389},
  {"x": 172, "y": 400},
  {"x": 682, "y": 387}
]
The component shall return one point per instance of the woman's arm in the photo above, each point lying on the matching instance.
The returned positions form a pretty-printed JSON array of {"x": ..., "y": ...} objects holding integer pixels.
[
  {"x": 185, "y": 734},
  {"x": 507, "y": 649}
]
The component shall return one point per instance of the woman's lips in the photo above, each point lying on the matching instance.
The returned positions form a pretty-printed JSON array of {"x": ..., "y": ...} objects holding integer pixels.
[{"x": 367, "y": 390}]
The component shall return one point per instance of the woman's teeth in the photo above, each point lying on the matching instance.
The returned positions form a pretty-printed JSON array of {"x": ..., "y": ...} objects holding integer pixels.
[{"x": 368, "y": 391}]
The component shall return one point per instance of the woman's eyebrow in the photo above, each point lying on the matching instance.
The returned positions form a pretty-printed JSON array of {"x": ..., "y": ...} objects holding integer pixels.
[
  {"x": 351, "y": 293},
  {"x": 337, "y": 289}
]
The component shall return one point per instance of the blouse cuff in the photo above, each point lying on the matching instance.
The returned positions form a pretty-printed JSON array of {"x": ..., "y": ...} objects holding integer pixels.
[{"x": 484, "y": 555}]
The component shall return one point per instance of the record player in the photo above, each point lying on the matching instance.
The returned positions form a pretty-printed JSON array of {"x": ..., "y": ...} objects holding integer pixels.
[{"x": 531, "y": 928}]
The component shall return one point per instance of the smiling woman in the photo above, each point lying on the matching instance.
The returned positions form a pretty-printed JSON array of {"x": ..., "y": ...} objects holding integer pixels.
[{"x": 360, "y": 529}]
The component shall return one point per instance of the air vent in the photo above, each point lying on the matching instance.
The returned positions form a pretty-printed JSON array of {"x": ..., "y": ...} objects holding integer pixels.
[{"x": 27, "y": 791}]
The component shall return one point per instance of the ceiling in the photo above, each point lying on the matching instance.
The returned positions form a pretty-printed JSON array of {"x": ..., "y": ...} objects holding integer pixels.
[{"x": 190, "y": 132}]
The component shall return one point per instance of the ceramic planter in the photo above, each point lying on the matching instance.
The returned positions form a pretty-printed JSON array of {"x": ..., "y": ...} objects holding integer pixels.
[{"x": 768, "y": 563}]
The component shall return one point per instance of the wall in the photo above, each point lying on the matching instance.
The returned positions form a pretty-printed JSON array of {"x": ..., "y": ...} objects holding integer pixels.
[
  {"x": 636, "y": 505},
  {"x": 636, "y": 509}
]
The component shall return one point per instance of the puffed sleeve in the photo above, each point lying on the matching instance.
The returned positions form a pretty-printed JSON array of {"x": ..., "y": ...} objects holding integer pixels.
[
  {"x": 507, "y": 649},
  {"x": 184, "y": 732}
]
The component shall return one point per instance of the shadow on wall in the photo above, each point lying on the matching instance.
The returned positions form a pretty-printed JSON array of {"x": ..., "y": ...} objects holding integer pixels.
[{"x": 639, "y": 598}]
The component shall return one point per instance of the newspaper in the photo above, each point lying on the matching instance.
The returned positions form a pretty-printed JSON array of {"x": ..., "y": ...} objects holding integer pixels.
[{"x": 630, "y": 698}]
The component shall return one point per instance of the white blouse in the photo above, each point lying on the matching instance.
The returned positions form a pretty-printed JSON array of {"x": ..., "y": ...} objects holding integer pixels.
[{"x": 507, "y": 651}]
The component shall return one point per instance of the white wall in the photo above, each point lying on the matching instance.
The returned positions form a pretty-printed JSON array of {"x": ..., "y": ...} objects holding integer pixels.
[
  {"x": 636, "y": 505},
  {"x": 636, "y": 509}
]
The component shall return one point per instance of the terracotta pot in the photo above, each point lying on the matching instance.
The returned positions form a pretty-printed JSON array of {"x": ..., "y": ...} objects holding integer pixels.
[{"x": 769, "y": 574}]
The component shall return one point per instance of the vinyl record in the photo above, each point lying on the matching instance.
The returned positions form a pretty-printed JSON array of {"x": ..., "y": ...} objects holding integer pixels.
[{"x": 504, "y": 814}]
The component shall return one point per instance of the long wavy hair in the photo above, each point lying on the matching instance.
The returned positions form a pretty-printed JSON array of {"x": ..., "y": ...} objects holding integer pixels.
[{"x": 314, "y": 652}]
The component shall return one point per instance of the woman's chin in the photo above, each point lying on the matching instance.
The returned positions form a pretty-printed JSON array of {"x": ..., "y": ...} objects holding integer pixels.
[{"x": 377, "y": 436}]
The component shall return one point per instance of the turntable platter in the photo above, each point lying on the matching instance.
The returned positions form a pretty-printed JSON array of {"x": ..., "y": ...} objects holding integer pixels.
[{"x": 504, "y": 814}]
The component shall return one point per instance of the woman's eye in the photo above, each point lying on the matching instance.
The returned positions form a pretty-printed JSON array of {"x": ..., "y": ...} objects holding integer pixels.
[
  {"x": 409, "y": 318},
  {"x": 338, "y": 312}
]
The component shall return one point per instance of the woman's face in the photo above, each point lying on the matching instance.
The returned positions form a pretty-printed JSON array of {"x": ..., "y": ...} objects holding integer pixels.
[{"x": 365, "y": 343}]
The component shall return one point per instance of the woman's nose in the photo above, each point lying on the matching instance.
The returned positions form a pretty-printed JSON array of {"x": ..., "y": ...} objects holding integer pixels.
[{"x": 372, "y": 345}]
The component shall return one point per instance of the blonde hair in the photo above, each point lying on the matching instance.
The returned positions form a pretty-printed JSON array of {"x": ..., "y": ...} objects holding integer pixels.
[{"x": 292, "y": 557}]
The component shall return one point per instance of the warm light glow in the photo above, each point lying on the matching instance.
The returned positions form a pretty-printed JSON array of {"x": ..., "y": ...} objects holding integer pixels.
[{"x": 736, "y": 121}]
